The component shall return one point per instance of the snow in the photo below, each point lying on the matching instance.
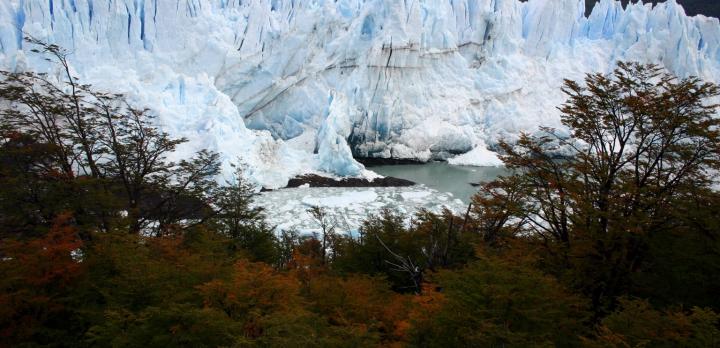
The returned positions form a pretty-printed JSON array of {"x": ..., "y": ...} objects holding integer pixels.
[
  {"x": 287, "y": 87},
  {"x": 348, "y": 208}
]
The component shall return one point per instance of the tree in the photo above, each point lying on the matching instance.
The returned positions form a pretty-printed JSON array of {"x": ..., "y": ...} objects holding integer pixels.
[
  {"x": 445, "y": 243},
  {"x": 362, "y": 305},
  {"x": 638, "y": 139},
  {"x": 34, "y": 191},
  {"x": 100, "y": 137},
  {"x": 680, "y": 264},
  {"x": 497, "y": 210},
  {"x": 244, "y": 224},
  {"x": 144, "y": 290},
  {"x": 36, "y": 287},
  {"x": 327, "y": 228},
  {"x": 255, "y": 293},
  {"x": 384, "y": 246},
  {"x": 157, "y": 190},
  {"x": 287, "y": 242},
  {"x": 636, "y": 324},
  {"x": 497, "y": 303}
]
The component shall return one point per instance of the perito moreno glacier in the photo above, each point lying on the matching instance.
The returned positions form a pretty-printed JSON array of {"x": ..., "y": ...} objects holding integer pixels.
[{"x": 296, "y": 86}]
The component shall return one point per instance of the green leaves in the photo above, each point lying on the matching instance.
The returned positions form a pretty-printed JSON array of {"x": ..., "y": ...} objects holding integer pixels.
[
  {"x": 496, "y": 303},
  {"x": 637, "y": 324}
]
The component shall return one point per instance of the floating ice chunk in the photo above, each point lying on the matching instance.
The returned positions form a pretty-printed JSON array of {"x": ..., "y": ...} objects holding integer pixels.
[
  {"x": 343, "y": 200},
  {"x": 415, "y": 195},
  {"x": 479, "y": 157}
]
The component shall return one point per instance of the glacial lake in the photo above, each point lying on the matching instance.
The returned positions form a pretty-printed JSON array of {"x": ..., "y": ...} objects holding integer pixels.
[
  {"x": 443, "y": 177},
  {"x": 441, "y": 186}
]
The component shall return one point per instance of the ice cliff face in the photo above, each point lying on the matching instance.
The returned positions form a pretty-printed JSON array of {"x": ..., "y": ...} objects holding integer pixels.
[{"x": 291, "y": 86}]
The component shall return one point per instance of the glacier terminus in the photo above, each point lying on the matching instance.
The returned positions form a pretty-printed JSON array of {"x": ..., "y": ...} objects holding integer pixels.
[{"x": 287, "y": 87}]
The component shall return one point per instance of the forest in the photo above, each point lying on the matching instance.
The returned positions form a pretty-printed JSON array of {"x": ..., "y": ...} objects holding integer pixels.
[{"x": 606, "y": 234}]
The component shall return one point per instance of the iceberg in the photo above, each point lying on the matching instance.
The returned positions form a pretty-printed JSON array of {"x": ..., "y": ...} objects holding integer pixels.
[{"x": 410, "y": 79}]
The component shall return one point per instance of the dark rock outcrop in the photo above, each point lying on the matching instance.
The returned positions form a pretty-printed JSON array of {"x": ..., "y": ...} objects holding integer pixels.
[
  {"x": 382, "y": 161},
  {"x": 321, "y": 181}
]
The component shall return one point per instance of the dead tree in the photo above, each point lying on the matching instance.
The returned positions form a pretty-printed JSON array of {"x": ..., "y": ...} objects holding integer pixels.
[{"x": 405, "y": 265}]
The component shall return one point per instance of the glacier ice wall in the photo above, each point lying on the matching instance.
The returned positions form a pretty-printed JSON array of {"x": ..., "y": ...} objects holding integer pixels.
[{"x": 294, "y": 86}]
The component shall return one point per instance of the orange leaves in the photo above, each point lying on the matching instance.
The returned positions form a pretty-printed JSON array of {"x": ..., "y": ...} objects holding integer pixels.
[
  {"x": 255, "y": 292},
  {"x": 637, "y": 324},
  {"x": 261, "y": 298},
  {"x": 36, "y": 275},
  {"x": 49, "y": 260},
  {"x": 363, "y": 303},
  {"x": 425, "y": 305},
  {"x": 307, "y": 260},
  {"x": 269, "y": 289}
]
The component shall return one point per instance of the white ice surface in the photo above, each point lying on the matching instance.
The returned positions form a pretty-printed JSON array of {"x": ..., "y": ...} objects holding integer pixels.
[
  {"x": 348, "y": 208},
  {"x": 344, "y": 199}
]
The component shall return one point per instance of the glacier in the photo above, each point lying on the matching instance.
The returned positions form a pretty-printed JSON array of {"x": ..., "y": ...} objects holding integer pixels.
[{"x": 287, "y": 87}]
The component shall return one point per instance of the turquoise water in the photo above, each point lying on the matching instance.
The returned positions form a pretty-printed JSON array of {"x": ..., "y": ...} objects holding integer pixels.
[{"x": 443, "y": 177}]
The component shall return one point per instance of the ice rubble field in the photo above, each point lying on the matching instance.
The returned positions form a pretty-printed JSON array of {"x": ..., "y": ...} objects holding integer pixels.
[
  {"x": 348, "y": 208},
  {"x": 290, "y": 87}
]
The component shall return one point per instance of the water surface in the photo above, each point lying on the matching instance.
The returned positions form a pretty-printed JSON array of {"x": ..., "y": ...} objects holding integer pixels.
[{"x": 443, "y": 177}]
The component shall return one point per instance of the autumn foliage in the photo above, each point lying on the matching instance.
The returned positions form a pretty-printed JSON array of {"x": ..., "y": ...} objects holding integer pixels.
[{"x": 38, "y": 276}]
